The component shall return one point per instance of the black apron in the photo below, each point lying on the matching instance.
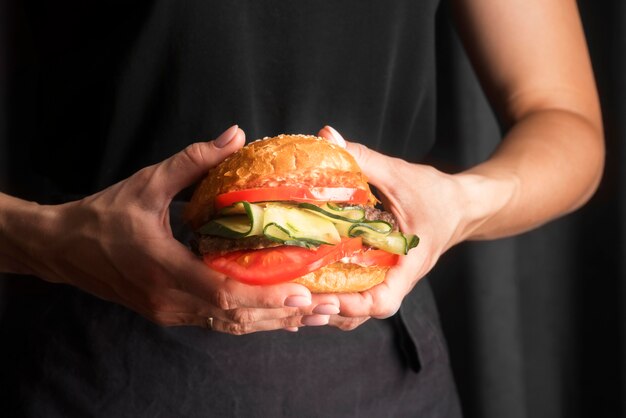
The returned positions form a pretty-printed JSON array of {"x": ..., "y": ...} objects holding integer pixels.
[{"x": 108, "y": 88}]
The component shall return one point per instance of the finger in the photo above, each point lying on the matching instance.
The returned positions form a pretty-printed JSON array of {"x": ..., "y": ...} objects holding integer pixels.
[
  {"x": 375, "y": 166},
  {"x": 184, "y": 168},
  {"x": 247, "y": 328},
  {"x": 347, "y": 324},
  {"x": 350, "y": 304},
  {"x": 325, "y": 304},
  {"x": 177, "y": 301},
  {"x": 400, "y": 280},
  {"x": 241, "y": 295},
  {"x": 377, "y": 175},
  {"x": 332, "y": 135},
  {"x": 315, "y": 320},
  {"x": 381, "y": 301},
  {"x": 384, "y": 300},
  {"x": 354, "y": 305},
  {"x": 171, "y": 311},
  {"x": 292, "y": 329},
  {"x": 312, "y": 315},
  {"x": 252, "y": 315},
  {"x": 160, "y": 306}
]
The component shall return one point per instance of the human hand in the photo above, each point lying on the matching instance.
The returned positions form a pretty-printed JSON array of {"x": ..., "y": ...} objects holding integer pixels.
[
  {"x": 425, "y": 202},
  {"x": 117, "y": 244}
]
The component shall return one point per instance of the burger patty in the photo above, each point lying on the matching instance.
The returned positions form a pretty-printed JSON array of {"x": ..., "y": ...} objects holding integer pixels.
[
  {"x": 207, "y": 244},
  {"x": 374, "y": 214}
]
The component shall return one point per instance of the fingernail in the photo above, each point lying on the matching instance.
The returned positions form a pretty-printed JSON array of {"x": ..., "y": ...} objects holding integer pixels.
[
  {"x": 337, "y": 136},
  {"x": 315, "y": 320},
  {"x": 291, "y": 329},
  {"x": 326, "y": 309},
  {"x": 226, "y": 136},
  {"x": 297, "y": 301}
]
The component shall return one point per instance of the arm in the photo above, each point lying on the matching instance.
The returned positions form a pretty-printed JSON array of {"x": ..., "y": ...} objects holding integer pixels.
[
  {"x": 532, "y": 59},
  {"x": 533, "y": 62},
  {"x": 117, "y": 244}
]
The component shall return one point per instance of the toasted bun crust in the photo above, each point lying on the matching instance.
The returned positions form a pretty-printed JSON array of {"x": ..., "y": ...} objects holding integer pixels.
[
  {"x": 343, "y": 278},
  {"x": 284, "y": 160}
]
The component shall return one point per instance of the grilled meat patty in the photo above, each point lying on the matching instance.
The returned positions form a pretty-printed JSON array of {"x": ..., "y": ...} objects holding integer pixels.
[
  {"x": 207, "y": 244},
  {"x": 374, "y": 214}
]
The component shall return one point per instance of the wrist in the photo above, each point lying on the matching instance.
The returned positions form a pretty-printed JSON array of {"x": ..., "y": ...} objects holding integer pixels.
[
  {"x": 484, "y": 199},
  {"x": 24, "y": 227}
]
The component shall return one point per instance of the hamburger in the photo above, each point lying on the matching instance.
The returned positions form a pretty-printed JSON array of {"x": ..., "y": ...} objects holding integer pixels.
[{"x": 294, "y": 208}]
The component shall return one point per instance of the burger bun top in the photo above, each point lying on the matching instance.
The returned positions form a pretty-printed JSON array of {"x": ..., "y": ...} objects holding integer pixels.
[{"x": 284, "y": 160}]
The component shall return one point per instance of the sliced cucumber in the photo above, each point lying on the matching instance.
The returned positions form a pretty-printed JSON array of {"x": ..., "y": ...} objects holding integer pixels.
[
  {"x": 284, "y": 224},
  {"x": 379, "y": 234},
  {"x": 412, "y": 241},
  {"x": 373, "y": 227},
  {"x": 246, "y": 220},
  {"x": 284, "y": 236},
  {"x": 336, "y": 213},
  {"x": 307, "y": 225},
  {"x": 395, "y": 242},
  {"x": 378, "y": 227}
]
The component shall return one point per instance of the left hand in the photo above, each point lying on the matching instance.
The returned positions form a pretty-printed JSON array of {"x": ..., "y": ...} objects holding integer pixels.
[{"x": 425, "y": 202}]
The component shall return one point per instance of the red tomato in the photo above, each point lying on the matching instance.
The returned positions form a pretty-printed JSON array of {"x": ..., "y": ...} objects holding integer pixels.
[
  {"x": 294, "y": 194},
  {"x": 280, "y": 264},
  {"x": 368, "y": 258}
]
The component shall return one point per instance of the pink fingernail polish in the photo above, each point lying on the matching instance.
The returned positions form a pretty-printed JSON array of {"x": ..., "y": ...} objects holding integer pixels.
[
  {"x": 315, "y": 320},
  {"x": 326, "y": 309},
  {"x": 227, "y": 136},
  {"x": 291, "y": 329},
  {"x": 297, "y": 301}
]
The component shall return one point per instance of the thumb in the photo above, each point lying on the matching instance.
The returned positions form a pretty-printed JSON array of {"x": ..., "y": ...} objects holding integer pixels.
[
  {"x": 187, "y": 166},
  {"x": 375, "y": 166}
]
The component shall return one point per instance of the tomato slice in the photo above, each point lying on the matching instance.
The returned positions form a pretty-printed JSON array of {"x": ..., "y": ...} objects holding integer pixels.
[
  {"x": 294, "y": 194},
  {"x": 367, "y": 258},
  {"x": 280, "y": 264}
]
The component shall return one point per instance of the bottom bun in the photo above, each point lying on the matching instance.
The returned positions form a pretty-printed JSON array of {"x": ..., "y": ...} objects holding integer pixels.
[{"x": 343, "y": 278}]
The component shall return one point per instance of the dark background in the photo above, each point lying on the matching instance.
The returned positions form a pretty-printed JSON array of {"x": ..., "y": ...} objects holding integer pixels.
[{"x": 536, "y": 324}]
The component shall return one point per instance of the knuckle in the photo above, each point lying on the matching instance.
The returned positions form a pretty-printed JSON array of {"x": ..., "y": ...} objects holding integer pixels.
[
  {"x": 144, "y": 175},
  {"x": 144, "y": 187},
  {"x": 224, "y": 300},
  {"x": 360, "y": 152},
  {"x": 241, "y": 316},
  {"x": 293, "y": 321},
  {"x": 195, "y": 153},
  {"x": 238, "y": 329}
]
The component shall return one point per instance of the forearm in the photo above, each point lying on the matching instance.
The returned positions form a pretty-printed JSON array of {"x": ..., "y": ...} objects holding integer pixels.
[
  {"x": 549, "y": 164},
  {"x": 22, "y": 224}
]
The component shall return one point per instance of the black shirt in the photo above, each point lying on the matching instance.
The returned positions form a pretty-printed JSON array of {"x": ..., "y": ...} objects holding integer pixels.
[{"x": 98, "y": 90}]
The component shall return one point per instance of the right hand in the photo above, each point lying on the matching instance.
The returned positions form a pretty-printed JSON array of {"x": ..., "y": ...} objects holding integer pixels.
[{"x": 118, "y": 245}]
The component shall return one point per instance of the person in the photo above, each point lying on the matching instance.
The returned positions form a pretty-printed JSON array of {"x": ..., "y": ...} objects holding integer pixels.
[{"x": 105, "y": 311}]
